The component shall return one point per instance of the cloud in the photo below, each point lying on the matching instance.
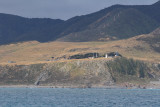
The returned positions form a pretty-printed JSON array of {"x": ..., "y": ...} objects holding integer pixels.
[{"x": 63, "y": 9}]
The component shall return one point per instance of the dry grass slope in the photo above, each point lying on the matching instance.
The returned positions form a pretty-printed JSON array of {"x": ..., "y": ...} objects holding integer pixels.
[{"x": 35, "y": 52}]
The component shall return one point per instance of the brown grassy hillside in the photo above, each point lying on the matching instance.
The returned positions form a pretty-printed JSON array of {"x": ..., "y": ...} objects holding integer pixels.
[{"x": 35, "y": 52}]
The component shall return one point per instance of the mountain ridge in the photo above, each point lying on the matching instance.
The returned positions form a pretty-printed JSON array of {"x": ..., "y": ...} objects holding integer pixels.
[
  {"x": 123, "y": 21},
  {"x": 113, "y": 24}
]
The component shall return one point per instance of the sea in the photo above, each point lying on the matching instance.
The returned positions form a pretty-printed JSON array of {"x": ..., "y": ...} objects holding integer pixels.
[{"x": 77, "y": 97}]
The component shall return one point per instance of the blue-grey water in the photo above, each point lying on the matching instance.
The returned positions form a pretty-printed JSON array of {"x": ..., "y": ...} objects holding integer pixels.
[{"x": 65, "y": 97}]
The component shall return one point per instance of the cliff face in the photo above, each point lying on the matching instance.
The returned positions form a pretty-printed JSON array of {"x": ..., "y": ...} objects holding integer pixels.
[
  {"x": 81, "y": 73},
  {"x": 59, "y": 73}
]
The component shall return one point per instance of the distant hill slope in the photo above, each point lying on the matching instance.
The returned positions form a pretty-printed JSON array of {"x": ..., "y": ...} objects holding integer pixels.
[
  {"x": 153, "y": 39},
  {"x": 151, "y": 10},
  {"x": 118, "y": 24},
  {"x": 14, "y": 29},
  {"x": 115, "y": 22}
]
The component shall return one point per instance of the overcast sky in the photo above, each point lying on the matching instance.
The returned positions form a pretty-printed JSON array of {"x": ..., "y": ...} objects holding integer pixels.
[{"x": 63, "y": 9}]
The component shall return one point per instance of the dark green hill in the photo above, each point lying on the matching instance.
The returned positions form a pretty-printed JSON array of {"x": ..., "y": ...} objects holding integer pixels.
[
  {"x": 151, "y": 10},
  {"x": 118, "y": 24},
  {"x": 115, "y": 22},
  {"x": 14, "y": 29}
]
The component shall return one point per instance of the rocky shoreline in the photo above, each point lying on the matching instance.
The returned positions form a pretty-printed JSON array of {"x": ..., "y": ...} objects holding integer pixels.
[
  {"x": 119, "y": 86},
  {"x": 33, "y": 86}
]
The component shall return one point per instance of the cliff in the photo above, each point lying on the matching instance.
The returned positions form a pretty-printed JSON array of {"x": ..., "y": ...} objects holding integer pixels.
[{"x": 79, "y": 73}]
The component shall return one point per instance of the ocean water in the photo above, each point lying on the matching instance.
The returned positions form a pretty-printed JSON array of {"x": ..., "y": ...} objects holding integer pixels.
[{"x": 66, "y": 97}]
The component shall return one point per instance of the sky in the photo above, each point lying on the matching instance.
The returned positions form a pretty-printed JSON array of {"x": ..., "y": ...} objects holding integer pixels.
[{"x": 61, "y": 9}]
